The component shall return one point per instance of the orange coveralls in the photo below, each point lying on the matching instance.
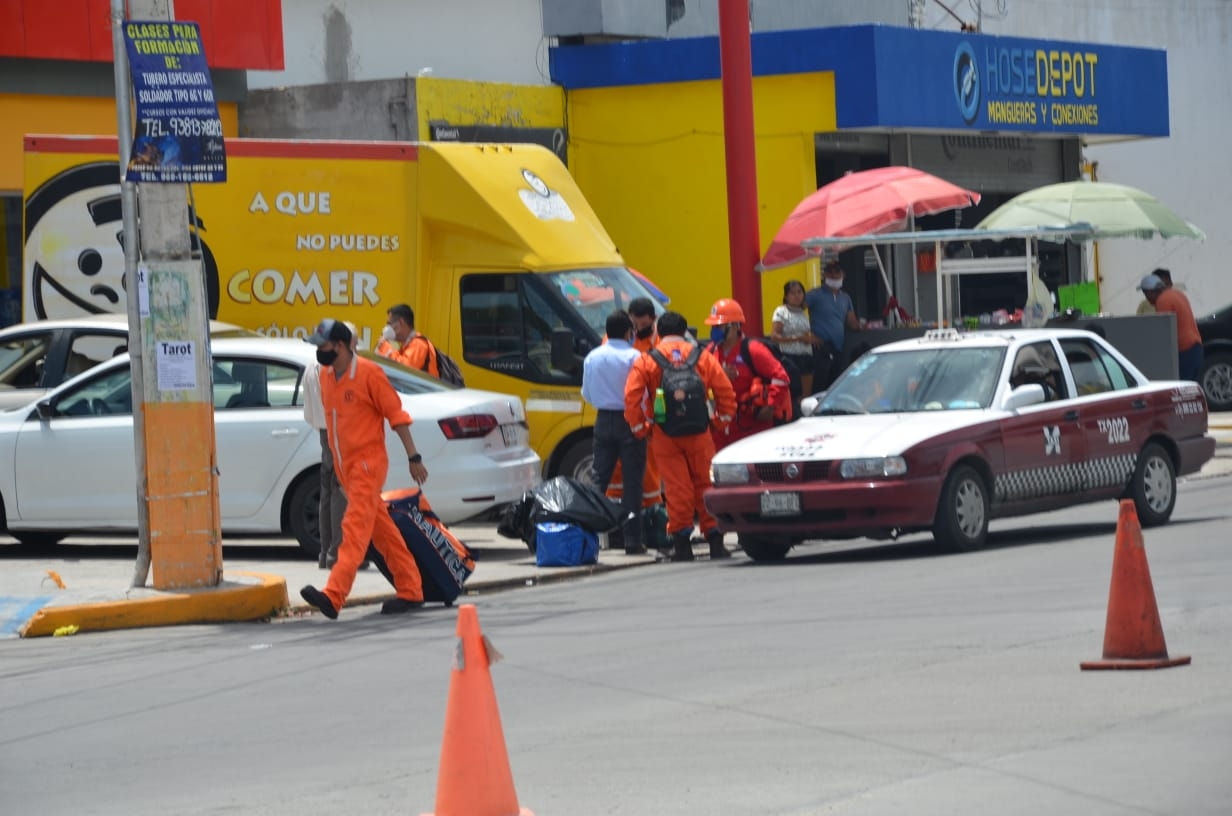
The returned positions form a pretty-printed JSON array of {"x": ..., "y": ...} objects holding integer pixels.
[
  {"x": 777, "y": 392},
  {"x": 652, "y": 485},
  {"x": 684, "y": 461},
  {"x": 416, "y": 355},
  {"x": 357, "y": 405}
]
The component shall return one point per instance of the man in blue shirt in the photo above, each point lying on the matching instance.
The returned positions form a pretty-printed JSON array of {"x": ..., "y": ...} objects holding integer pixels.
[
  {"x": 831, "y": 316},
  {"x": 604, "y": 372}
]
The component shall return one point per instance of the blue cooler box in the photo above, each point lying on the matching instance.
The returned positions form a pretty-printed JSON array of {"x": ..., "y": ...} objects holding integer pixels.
[{"x": 564, "y": 545}]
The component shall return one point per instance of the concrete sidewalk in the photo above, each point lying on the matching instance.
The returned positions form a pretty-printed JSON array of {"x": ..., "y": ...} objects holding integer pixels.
[{"x": 96, "y": 596}]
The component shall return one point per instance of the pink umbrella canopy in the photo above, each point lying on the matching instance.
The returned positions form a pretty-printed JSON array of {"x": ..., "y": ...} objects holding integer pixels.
[{"x": 864, "y": 203}]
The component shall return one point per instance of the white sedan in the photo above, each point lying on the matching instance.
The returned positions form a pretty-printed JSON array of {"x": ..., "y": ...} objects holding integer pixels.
[{"x": 67, "y": 462}]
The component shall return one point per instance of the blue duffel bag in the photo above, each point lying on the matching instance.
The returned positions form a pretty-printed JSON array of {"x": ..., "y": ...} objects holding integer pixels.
[{"x": 558, "y": 544}]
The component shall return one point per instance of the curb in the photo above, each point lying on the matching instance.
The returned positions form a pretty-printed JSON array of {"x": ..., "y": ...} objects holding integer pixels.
[
  {"x": 495, "y": 585},
  {"x": 228, "y": 603}
]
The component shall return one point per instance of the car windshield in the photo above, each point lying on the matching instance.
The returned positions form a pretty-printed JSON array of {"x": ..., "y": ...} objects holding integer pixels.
[
  {"x": 594, "y": 293},
  {"x": 407, "y": 380},
  {"x": 933, "y": 379}
]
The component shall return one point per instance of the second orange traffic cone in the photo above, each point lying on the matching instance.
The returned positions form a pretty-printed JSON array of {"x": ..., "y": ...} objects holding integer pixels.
[
  {"x": 1133, "y": 635},
  {"x": 475, "y": 778}
]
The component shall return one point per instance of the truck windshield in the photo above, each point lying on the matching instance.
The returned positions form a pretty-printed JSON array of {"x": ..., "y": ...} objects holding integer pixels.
[{"x": 595, "y": 293}]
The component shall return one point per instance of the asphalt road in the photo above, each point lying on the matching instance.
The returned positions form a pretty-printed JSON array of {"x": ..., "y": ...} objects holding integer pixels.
[{"x": 855, "y": 679}]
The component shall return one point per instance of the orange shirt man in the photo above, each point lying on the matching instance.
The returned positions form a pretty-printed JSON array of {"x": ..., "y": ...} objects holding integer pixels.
[
  {"x": 402, "y": 344},
  {"x": 358, "y": 400},
  {"x": 683, "y": 461},
  {"x": 1188, "y": 340}
]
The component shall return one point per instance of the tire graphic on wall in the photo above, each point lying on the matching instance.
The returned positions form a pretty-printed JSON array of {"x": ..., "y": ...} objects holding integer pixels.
[{"x": 74, "y": 245}]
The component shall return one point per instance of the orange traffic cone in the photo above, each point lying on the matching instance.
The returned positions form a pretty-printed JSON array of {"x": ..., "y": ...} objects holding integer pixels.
[
  {"x": 1133, "y": 636},
  {"x": 474, "y": 779}
]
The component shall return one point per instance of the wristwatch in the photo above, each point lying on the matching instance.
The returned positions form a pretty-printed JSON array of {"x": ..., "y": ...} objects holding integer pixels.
[{"x": 416, "y": 459}]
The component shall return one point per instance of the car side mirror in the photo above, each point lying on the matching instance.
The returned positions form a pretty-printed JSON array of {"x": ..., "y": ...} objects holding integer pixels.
[
  {"x": 809, "y": 404},
  {"x": 45, "y": 409},
  {"x": 1025, "y": 395}
]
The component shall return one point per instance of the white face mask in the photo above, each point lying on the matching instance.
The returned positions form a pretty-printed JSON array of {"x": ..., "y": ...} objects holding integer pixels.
[
  {"x": 388, "y": 334},
  {"x": 834, "y": 283}
]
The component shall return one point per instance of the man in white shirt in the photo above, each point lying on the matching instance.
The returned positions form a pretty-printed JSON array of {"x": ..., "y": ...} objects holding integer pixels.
[
  {"x": 604, "y": 372},
  {"x": 333, "y": 501}
]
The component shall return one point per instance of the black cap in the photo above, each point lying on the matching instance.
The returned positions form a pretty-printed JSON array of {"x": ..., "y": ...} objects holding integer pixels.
[{"x": 330, "y": 331}]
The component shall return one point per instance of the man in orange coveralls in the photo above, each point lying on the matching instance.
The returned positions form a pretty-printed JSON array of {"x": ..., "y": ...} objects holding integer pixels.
[
  {"x": 763, "y": 388},
  {"x": 358, "y": 400},
  {"x": 684, "y": 461},
  {"x": 642, "y": 313},
  {"x": 398, "y": 342}
]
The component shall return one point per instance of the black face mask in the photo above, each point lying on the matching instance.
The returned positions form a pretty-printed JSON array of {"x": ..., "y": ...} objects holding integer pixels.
[
  {"x": 326, "y": 357},
  {"x": 642, "y": 334}
]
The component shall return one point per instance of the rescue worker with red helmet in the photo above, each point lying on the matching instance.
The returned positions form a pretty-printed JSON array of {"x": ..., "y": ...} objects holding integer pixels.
[
  {"x": 680, "y": 439},
  {"x": 761, "y": 384}
]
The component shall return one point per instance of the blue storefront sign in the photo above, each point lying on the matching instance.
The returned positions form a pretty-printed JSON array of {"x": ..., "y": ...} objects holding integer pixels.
[
  {"x": 178, "y": 133},
  {"x": 913, "y": 79}
]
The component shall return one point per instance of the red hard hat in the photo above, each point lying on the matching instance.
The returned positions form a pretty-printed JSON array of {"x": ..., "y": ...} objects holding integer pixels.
[{"x": 723, "y": 311}]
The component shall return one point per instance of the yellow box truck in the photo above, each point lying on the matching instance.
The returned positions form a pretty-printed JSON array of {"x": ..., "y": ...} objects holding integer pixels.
[{"x": 505, "y": 264}]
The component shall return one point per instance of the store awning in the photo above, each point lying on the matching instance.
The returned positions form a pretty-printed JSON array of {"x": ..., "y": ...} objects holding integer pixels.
[{"x": 890, "y": 78}]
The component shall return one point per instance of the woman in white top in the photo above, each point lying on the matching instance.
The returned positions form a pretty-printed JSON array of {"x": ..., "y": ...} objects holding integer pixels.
[{"x": 790, "y": 331}]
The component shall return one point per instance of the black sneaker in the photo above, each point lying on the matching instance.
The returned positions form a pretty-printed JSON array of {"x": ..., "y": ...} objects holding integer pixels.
[
  {"x": 320, "y": 600},
  {"x": 635, "y": 549},
  {"x": 399, "y": 606}
]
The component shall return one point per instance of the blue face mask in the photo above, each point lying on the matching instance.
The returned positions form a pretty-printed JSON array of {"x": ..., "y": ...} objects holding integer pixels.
[{"x": 718, "y": 334}]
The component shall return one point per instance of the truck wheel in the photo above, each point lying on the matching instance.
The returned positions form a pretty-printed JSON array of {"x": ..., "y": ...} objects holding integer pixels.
[
  {"x": 577, "y": 461},
  {"x": 1153, "y": 487},
  {"x": 304, "y": 513},
  {"x": 961, "y": 523},
  {"x": 764, "y": 548},
  {"x": 1217, "y": 380}
]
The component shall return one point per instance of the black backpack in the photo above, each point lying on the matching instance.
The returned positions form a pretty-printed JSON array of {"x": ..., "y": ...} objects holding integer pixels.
[
  {"x": 685, "y": 410},
  {"x": 793, "y": 370},
  {"x": 447, "y": 369}
]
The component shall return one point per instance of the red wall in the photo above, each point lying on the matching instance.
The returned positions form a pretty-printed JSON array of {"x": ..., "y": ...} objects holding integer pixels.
[{"x": 244, "y": 34}]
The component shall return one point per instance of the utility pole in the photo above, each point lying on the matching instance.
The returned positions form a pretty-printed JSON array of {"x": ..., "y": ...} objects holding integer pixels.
[
  {"x": 173, "y": 417},
  {"x": 735, "y": 54}
]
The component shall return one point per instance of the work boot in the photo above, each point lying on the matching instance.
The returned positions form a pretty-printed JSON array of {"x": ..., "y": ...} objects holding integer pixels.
[
  {"x": 717, "y": 550},
  {"x": 682, "y": 547},
  {"x": 635, "y": 549},
  {"x": 320, "y": 600}
]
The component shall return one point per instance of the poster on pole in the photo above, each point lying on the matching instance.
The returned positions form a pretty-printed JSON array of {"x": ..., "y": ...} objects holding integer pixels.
[{"x": 178, "y": 133}]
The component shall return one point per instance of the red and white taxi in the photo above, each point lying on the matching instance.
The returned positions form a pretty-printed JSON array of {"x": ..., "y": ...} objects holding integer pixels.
[{"x": 950, "y": 430}]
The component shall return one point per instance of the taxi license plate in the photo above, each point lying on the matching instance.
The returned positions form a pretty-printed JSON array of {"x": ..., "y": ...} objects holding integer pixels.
[
  {"x": 514, "y": 434},
  {"x": 780, "y": 504}
]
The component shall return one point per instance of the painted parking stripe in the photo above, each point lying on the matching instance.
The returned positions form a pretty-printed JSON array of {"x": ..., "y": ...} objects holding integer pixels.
[{"x": 14, "y": 612}]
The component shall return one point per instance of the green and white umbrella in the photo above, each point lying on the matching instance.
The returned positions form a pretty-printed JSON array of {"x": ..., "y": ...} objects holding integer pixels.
[{"x": 1112, "y": 211}]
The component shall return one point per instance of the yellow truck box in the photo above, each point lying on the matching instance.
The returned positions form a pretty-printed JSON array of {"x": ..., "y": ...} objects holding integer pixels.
[{"x": 505, "y": 264}]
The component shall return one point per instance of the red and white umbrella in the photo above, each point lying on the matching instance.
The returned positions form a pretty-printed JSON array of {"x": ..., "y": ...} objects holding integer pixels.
[{"x": 868, "y": 202}]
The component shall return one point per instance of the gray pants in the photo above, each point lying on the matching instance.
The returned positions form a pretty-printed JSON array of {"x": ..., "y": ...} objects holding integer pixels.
[{"x": 332, "y": 507}]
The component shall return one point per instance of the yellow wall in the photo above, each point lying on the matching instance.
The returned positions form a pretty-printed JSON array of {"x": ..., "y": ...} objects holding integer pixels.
[
  {"x": 650, "y": 159},
  {"x": 69, "y": 115},
  {"x": 464, "y": 102}
]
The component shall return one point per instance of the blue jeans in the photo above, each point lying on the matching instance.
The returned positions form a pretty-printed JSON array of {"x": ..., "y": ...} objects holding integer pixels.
[{"x": 1190, "y": 362}]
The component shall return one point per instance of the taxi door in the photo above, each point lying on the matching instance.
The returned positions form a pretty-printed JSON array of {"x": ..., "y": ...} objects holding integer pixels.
[
  {"x": 1044, "y": 444},
  {"x": 1115, "y": 416}
]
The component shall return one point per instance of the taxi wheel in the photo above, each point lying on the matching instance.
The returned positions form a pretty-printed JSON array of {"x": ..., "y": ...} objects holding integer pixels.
[
  {"x": 764, "y": 548},
  {"x": 1153, "y": 487},
  {"x": 961, "y": 523}
]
